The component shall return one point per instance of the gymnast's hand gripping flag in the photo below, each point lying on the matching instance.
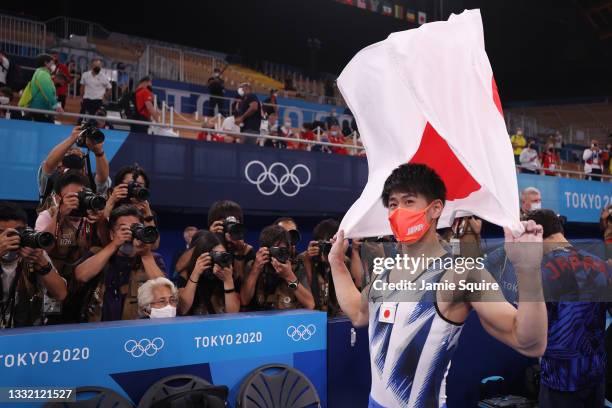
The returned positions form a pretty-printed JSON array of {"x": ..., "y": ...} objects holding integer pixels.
[{"x": 428, "y": 96}]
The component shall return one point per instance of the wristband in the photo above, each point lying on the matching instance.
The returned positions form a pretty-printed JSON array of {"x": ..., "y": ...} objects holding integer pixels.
[
  {"x": 149, "y": 218},
  {"x": 99, "y": 155},
  {"x": 232, "y": 290},
  {"x": 45, "y": 270},
  {"x": 196, "y": 282}
]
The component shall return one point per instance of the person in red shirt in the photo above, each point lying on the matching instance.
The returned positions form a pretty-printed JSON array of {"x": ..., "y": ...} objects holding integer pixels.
[
  {"x": 145, "y": 110},
  {"x": 61, "y": 78},
  {"x": 550, "y": 160},
  {"x": 335, "y": 135},
  {"x": 306, "y": 134}
]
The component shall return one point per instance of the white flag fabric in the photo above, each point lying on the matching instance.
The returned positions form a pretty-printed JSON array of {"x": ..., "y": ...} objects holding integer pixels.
[{"x": 428, "y": 96}]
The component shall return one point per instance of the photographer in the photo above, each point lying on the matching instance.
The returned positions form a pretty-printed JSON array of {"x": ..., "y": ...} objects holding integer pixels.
[
  {"x": 317, "y": 268},
  {"x": 270, "y": 281},
  {"x": 131, "y": 187},
  {"x": 65, "y": 156},
  {"x": 208, "y": 287},
  {"x": 29, "y": 284},
  {"x": 114, "y": 273},
  {"x": 77, "y": 223}
]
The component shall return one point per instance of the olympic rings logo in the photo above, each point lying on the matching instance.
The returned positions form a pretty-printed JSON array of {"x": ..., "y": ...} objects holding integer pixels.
[
  {"x": 301, "y": 332},
  {"x": 278, "y": 181},
  {"x": 143, "y": 347}
]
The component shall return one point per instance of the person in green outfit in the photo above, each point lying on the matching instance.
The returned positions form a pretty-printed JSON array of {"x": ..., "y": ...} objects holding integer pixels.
[{"x": 43, "y": 89}]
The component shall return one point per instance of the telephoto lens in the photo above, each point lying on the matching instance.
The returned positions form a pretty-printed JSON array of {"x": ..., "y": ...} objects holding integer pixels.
[
  {"x": 223, "y": 259},
  {"x": 280, "y": 253},
  {"x": 138, "y": 192},
  {"x": 324, "y": 247},
  {"x": 35, "y": 239},
  {"x": 88, "y": 200},
  {"x": 232, "y": 226},
  {"x": 147, "y": 235},
  {"x": 89, "y": 131}
]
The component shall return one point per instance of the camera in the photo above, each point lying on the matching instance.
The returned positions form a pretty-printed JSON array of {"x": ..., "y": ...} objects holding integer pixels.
[
  {"x": 35, "y": 239},
  {"x": 280, "y": 253},
  {"x": 294, "y": 237},
  {"x": 88, "y": 200},
  {"x": 324, "y": 247},
  {"x": 146, "y": 235},
  {"x": 232, "y": 226},
  {"x": 89, "y": 131},
  {"x": 223, "y": 259},
  {"x": 137, "y": 191}
]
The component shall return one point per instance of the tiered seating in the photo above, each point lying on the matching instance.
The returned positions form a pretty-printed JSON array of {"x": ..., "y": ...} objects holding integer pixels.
[{"x": 128, "y": 53}]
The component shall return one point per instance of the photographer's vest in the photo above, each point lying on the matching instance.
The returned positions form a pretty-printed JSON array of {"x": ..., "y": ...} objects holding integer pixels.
[
  {"x": 137, "y": 278},
  {"x": 272, "y": 292},
  {"x": 24, "y": 306}
]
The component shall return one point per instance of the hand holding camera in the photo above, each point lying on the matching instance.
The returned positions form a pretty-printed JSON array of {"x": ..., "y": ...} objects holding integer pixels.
[
  {"x": 34, "y": 256},
  {"x": 262, "y": 257},
  {"x": 203, "y": 263},
  {"x": 81, "y": 203},
  {"x": 121, "y": 236},
  {"x": 9, "y": 241},
  {"x": 69, "y": 203},
  {"x": 90, "y": 136},
  {"x": 313, "y": 249}
]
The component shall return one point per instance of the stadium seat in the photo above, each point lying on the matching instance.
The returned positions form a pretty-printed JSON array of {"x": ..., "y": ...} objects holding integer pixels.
[
  {"x": 184, "y": 390},
  {"x": 277, "y": 386}
]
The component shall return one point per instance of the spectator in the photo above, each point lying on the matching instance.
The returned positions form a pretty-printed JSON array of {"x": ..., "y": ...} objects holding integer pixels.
[
  {"x": 4, "y": 69},
  {"x": 307, "y": 133},
  {"x": 270, "y": 104},
  {"x": 550, "y": 160},
  {"x": 30, "y": 286},
  {"x": 321, "y": 136},
  {"x": 6, "y": 97},
  {"x": 467, "y": 230},
  {"x": 207, "y": 285},
  {"x": 145, "y": 110},
  {"x": 270, "y": 281},
  {"x": 216, "y": 88},
  {"x": 530, "y": 163},
  {"x": 64, "y": 157},
  {"x": 331, "y": 120},
  {"x": 95, "y": 87},
  {"x": 558, "y": 140},
  {"x": 123, "y": 81},
  {"x": 607, "y": 155},
  {"x": 118, "y": 269},
  {"x": 62, "y": 79},
  {"x": 76, "y": 76},
  {"x": 273, "y": 130},
  {"x": 157, "y": 298},
  {"x": 289, "y": 87},
  {"x": 335, "y": 136},
  {"x": 531, "y": 200},
  {"x": 593, "y": 161},
  {"x": 249, "y": 114},
  {"x": 76, "y": 231},
  {"x": 43, "y": 90},
  {"x": 518, "y": 143}
]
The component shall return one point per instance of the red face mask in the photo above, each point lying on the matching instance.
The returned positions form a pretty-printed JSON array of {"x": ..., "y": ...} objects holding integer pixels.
[{"x": 409, "y": 226}]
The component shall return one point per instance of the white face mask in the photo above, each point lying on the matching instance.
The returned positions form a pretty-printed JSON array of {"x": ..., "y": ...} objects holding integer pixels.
[
  {"x": 166, "y": 311},
  {"x": 536, "y": 206},
  {"x": 52, "y": 67},
  {"x": 241, "y": 92}
]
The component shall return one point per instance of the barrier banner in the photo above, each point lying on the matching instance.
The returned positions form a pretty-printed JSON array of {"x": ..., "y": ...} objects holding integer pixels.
[{"x": 130, "y": 356}]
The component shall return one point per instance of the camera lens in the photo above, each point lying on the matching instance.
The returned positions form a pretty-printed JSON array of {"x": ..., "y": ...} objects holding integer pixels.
[
  {"x": 295, "y": 236},
  {"x": 34, "y": 239}
]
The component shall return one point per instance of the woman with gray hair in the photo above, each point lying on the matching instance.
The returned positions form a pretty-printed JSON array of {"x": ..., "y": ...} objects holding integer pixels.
[{"x": 157, "y": 298}]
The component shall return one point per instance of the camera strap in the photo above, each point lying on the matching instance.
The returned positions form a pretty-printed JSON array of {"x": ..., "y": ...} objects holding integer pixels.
[{"x": 92, "y": 182}]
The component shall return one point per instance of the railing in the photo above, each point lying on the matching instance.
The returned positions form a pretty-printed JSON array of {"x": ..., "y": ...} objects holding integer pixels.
[
  {"x": 354, "y": 148},
  {"x": 21, "y": 37}
]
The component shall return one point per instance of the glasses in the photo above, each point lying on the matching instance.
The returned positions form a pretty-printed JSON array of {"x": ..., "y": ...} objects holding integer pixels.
[{"x": 163, "y": 302}]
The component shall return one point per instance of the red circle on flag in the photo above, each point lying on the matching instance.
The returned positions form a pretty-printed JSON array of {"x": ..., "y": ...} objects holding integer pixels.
[{"x": 387, "y": 314}]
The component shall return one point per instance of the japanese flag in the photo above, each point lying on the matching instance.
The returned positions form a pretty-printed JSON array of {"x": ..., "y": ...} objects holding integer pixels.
[{"x": 428, "y": 96}]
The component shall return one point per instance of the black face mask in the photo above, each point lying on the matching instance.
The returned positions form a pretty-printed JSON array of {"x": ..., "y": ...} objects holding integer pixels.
[
  {"x": 73, "y": 161},
  {"x": 96, "y": 70},
  {"x": 150, "y": 88}
]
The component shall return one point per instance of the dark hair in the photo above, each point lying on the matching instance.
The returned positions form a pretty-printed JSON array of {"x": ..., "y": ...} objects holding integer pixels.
[
  {"x": 124, "y": 211},
  {"x": 6, "y": 91},
  {"x": 12, "y": 212},
  {"x": 70, "y": 177},
  {"x": 42, "y": 60},
  {"x": 326, "y": 229},
  {"x": 133, "y": 169},
  {"x": 415, "y": 179},
  {"x": 144, "y": 79},
  {"x": 222, "y": 209},
  {"x": 548, "y": 219},
  {"x": 196, "y": 236},
  {"x": 94, "y": 59},
  {"x": 203, "y": 241},
  {"x": 273, "y": 234},
  {"x": 284, "y": 219}
]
